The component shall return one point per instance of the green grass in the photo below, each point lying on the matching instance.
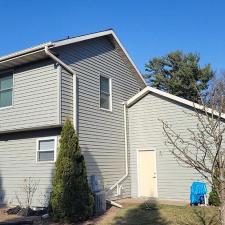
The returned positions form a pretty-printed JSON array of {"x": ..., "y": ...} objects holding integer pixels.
[{"x": 166, "y": 215}]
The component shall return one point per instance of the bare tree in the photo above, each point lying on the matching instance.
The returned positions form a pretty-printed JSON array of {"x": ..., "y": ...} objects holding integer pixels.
[
  {"x": 28, "y": 190},
  {"x": 204, "y": 148}
]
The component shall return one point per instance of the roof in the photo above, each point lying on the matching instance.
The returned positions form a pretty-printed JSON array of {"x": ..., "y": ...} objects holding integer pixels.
[
  {"x": 37, "y": 52},
  {"x": 183, "y": 101}
]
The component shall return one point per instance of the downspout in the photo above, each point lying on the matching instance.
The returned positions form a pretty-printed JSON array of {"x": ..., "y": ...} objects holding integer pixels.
[
  {"x": 71, "y": 71},
  {"x": 67, "y": 68},
  {"x": 126, "y": 153},
  {"x": 60, "y": 62}
]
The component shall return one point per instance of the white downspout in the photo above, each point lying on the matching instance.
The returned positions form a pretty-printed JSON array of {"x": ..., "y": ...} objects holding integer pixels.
[
  {"x": 126, "y": 152},
  {"x": 64, "y": 65},
  {"x": 67, "y": 68},
  {"x": 71, "y": 71}
]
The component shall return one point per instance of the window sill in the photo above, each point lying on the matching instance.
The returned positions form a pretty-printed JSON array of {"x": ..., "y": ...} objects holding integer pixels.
[
  {"x": 41, "y": 162},
  {"x": 106, "y": 110},
  {"x": 6, "y": 107}
]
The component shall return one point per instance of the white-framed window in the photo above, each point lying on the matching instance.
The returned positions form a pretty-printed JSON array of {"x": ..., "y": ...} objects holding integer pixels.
[
  {"x": 105, "y": 93},
  {"x": 6, "y": 89},
  {"x": 46, "y": 149}
]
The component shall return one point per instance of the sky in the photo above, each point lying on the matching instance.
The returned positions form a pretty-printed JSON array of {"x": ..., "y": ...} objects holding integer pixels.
[{"x": 147, "y": 28}]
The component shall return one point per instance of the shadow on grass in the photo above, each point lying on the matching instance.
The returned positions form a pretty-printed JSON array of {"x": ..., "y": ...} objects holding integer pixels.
[
  {"x": 154, "y": 214},
  {"x": 144, "y": 214}
]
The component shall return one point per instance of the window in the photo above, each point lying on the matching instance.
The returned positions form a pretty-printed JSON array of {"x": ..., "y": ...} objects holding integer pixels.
[
  {"x": 6, "y": 89},
  {"x": 105, "y": 93},
  {"x": 46, "y": 149}
]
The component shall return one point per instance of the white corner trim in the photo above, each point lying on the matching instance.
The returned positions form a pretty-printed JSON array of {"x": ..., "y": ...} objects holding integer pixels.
[
  {"x": 59, "y": 78},
  {"x": 73, "y": 73},
  {"x": 148, "y": 89},
  {"x": 75, "y": 111},
  {"x": 55, "y": 138}
]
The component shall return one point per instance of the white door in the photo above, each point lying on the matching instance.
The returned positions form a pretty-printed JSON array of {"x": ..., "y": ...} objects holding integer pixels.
[{"x": 147, "y": 177}]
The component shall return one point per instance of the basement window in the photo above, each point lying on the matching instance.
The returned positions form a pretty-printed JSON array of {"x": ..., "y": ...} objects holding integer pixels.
[
  {"x": 6, "y": 89},
  {"x": 46, "y": 149},
  {"x": 105, "y": 93}
]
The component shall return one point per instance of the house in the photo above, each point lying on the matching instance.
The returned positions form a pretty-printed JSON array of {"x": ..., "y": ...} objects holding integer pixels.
[{"x": 92, "y": 80}]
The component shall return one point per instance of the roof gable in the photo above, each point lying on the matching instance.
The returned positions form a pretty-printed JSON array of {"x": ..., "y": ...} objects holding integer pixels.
[
  {"x": 183, "y": 101},
  {"x": 38, "y": 52}
]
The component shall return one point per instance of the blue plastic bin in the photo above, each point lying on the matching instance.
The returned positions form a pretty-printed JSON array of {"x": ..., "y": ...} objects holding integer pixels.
[{"x": 198, "y": 192}]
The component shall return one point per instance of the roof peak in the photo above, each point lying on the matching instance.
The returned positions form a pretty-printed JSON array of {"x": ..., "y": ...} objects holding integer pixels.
[
  {"x": 81, "y": 35},
  {"x": 42, "y": 45},
  {"x": 38, "y": 52},
  {"x": 167, "y": 95}
]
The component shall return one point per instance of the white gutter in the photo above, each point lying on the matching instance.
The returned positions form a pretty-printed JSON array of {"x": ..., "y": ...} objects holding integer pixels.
[
  {"x": 194, "y": 105},
  {"x": 126, "y": 153},
  {"x": 25, "y": 51},
  {"x": 71, "y": 71}
]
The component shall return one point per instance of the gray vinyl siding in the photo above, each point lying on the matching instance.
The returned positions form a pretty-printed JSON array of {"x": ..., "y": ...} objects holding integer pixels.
[
  {"x": 18, "y": 161},
  {"x": 66, "y": 96},
  {"x": 35, "y": 98},
  {"x": 101, "y": 133},
  {"x": 145, "y": 133}
]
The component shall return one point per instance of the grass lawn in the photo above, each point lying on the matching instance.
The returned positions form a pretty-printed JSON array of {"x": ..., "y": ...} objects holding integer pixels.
[
  {"x": 166, "y": 215},
  {"x": 141, "y": 214}
]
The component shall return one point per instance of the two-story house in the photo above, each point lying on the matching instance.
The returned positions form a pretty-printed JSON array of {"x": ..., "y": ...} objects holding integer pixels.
[{"x": 92, "y": 80}]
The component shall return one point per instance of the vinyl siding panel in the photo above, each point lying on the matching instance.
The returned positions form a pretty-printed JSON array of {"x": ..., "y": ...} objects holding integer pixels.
[
  {"x": 101, "y": 133},
  {"x": 18, "y": 161},
  {"x": 145, "y": 132},
  {"x": 66, "y": 96},
  {"x": 35, "y": 98}
]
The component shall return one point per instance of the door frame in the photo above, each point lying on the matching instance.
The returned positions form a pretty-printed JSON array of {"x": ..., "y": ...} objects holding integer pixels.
[{"x": 138, "y": 181}]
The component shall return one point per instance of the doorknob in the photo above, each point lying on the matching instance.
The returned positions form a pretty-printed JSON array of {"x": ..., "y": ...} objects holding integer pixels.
[{"x": 154, "y": 176}]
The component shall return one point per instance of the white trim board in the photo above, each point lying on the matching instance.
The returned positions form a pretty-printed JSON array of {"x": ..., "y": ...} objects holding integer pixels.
[
  {"x": 55, "y": 138},
  {"x": 35, "y": 49},
  {"x": 148, "y": 89}
]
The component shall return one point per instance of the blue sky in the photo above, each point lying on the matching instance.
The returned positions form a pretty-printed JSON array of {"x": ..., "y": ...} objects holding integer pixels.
[{"x": 147, "y": 28}]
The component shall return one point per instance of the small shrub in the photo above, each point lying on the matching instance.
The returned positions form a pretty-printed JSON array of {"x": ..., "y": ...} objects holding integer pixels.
[
  {"x": 214, "y": 198},
  {"x": 25, "y": 199},
  {"x": 71, "y": 198}
]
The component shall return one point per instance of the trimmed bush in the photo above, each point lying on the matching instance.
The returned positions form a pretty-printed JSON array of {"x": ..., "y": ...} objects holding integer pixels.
[
  {"x": 214, "y": 198},
  {"x": 71, "y": 198}
]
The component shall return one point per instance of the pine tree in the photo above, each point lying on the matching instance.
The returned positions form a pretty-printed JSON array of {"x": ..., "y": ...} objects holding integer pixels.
[
  {"x": 179, "y": 74},
  {"x": 71, "y": 199}
]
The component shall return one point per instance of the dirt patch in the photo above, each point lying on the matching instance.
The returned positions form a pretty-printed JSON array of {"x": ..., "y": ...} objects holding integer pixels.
[
  {"x": 104, "y": 219},
  {"x": 5, "y": 217},
  {"x": 111, "y": 213},
  {"x": 131, "y": 209}
]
